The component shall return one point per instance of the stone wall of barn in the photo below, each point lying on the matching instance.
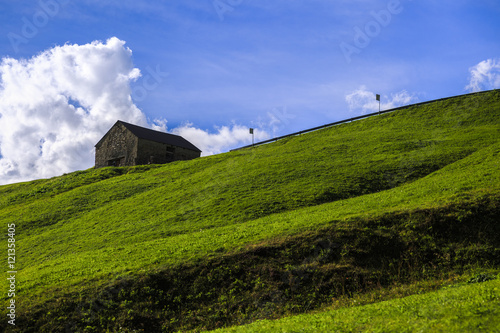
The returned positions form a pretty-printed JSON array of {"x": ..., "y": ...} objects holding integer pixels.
[
  {"x": 118, "y": 148},
  {"x": 150, "y": 152}
]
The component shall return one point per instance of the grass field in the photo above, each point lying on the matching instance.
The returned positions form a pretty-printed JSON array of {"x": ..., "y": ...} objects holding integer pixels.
[
  {"x": 460, "y": 308},
  {"x": 281, "y": 229}
]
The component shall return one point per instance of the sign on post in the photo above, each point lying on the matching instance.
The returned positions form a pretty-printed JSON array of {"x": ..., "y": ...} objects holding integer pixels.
[{"x": 251, "y": 132}]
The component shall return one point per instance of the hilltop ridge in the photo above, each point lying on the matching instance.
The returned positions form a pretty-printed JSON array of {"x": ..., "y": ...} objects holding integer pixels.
[{"x": 348, "y": 120}]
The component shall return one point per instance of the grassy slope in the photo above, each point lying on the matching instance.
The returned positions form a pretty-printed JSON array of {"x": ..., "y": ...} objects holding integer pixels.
[
  {"x": 82, "y": 231},
  {"x": 460, "y": 308}
]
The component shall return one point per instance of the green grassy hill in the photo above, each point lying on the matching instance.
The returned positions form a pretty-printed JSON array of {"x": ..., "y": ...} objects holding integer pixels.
[
  {"x": 284, "y": 228},
  {"x": 458, "y": 308}
]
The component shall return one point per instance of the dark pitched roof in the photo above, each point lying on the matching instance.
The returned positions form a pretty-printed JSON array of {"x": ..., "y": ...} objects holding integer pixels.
[{"x": 162, "y": 137}]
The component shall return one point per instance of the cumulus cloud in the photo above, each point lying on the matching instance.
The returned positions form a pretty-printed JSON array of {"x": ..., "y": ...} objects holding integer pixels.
[
  {"x": 365, "y": 101},
  {"x": 224, "y": 138},
  {"x": 56, "y": 106},
  {"x": 484, "y": 76}
]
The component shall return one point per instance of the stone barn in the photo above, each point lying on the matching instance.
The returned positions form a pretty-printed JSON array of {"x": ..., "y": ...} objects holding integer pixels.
[{"x": 126, "y": 145}]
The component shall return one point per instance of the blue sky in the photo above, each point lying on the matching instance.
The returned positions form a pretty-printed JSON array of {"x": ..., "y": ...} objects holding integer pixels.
[{"x": 280, "y": 66}]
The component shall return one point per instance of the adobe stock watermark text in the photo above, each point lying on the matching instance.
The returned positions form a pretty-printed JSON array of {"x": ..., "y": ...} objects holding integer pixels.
[
  {"x": 225, "y": 6},
  {"x": 371, "y": 29},
  {"x": 32, "y": 24},
  {"x": 11, "y": 273}
]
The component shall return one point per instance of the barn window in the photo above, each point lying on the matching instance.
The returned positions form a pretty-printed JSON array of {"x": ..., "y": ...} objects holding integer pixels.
[{"x": 116, "y": 162}]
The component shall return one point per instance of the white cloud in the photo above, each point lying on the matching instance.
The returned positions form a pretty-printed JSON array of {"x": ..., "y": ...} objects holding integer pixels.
[
  {"x": 365, "y": 101},
  {"x": 225, "y": 138},
  {"x": 56, "y": 106},
  {"x": 484, "y": 76}
]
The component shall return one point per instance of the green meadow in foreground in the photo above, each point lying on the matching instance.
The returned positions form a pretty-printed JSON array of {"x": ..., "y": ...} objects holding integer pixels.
[
  {"x": 281, "y": 229},
  {"x": 461, "y": 308}
]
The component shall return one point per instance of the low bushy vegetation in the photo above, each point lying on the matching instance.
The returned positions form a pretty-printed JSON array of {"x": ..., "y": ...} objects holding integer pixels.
[
  {"x": 457, "y": 308},
  {"x": 399, "y": 199}
]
